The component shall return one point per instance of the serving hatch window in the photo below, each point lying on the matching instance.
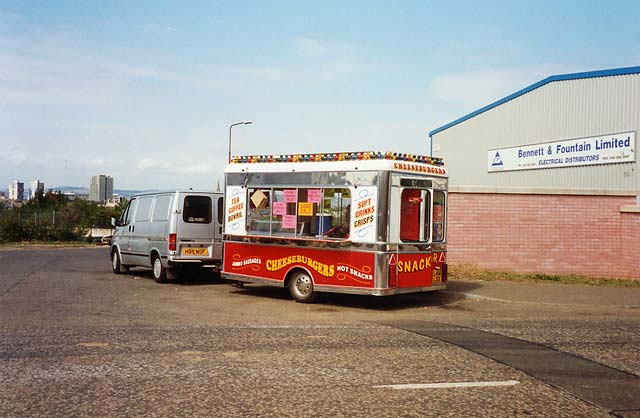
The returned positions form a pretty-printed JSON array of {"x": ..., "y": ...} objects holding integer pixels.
[
  {"x": 300, "y": 212},
  {"x": 259, "y": 216}
]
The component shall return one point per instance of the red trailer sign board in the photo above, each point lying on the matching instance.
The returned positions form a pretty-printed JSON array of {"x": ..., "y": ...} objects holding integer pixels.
[
  {"x": 349, "y": 268},
  {"x": 420, "y": 270}
]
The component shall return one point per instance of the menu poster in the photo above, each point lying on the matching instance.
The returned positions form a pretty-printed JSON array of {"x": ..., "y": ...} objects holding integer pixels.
[
  {"x": 289, "y": 221},
  {"x": 290, "y": 195},
  {"x": 314, "y": 195},
  {"x": 305, "y": 209},
  {"x": 279, "y": 208},
  {"x": 364, "y": 217}
]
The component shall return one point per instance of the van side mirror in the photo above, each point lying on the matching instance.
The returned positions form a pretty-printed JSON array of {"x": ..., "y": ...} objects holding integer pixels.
[{"x": 116, "y": 222}]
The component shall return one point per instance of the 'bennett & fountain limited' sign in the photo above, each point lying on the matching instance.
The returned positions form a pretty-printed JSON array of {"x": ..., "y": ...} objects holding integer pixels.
[{"x": 605, "y": 149}]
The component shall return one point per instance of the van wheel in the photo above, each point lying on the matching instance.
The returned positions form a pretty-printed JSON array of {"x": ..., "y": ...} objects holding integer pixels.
[
  {"x": 159, "y": 272},
  {"x": 301, "y": 287},
  {"x": 116, "y": 265}
]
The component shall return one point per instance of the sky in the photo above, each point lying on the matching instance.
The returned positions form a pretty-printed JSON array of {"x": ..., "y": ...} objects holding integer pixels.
[{"x": 145, "y": 91}]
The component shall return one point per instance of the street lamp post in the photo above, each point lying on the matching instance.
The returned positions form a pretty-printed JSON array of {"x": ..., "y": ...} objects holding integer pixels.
[{"x": 246, "y": 122}]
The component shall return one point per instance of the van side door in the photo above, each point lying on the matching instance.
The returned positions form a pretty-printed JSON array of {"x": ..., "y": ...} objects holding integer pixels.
[
  {"x": 219, "y": 219},
  {"x": 123, "y": 233},
  {"x": 140, "y": 231}
]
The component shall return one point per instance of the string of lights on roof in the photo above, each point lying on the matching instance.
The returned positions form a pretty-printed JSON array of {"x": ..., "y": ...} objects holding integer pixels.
[{"x": 338, "y": 156}]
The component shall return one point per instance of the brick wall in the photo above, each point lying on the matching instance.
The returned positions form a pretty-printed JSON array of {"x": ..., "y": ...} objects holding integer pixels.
[
  {"x": 630, "y": 242},
  {"x": 552, "y": 234}
]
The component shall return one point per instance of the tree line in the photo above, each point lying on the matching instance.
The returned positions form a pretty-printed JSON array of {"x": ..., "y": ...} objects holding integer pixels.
[{"x": 54, "y": 217}]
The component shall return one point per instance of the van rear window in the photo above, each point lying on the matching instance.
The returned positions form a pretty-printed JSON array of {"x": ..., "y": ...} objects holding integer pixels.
[{"x": 197, "y": 209}]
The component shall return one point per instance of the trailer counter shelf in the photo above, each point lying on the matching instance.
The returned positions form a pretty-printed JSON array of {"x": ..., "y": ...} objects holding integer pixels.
[{"x": 364, "y": 223}]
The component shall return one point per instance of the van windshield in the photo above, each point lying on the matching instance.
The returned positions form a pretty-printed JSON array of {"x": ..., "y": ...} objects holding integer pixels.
[{"x": 197, "y": 209}]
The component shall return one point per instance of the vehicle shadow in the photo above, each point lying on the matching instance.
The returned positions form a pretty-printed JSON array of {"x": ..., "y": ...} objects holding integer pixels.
[
  {"x": 198, "y": 279},
  {"x": 184, "y": 278},
  {"x": 328, "y": 301}
]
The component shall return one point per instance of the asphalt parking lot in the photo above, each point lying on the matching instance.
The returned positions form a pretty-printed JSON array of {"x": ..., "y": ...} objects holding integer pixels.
[{"x": 78, "y": 340}]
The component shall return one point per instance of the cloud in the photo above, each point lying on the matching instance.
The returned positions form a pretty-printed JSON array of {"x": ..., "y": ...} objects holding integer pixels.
[
  {"x": 145, "y": 163},
  {"x": 197, "y": 166},
  {"x": 61, "y": 70},
  {"x": 329, "y": 59},
  {"x": 313, "y": 48},
  {"x": 96, "y": 162},
  {"x": 16, "y": 157},
  {"x": 114, "y": 112},
  {"x": 8, "y": 15},
  {"x": 475, "y": 89},
  {"x": 62, "y": 74},
  {"x": 154, "y": 29},
  {"x": 162, "y": 74}
]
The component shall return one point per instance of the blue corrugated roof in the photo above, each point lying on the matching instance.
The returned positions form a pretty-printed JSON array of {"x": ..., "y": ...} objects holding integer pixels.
[{"x": 561, "y": 77}]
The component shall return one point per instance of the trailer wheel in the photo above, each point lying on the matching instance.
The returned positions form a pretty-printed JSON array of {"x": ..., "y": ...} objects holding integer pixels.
[
  {"x": 116, "y": 264},
  {"x": 301, "y": 287},
  {"x": 159, "y": 272}
]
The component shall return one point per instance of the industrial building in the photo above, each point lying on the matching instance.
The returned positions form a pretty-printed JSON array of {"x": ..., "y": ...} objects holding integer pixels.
[{"x": 547, "y": 180}]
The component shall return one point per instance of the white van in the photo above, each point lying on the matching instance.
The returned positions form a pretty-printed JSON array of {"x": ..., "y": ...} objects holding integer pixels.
[{"x": 167, "y": 231}]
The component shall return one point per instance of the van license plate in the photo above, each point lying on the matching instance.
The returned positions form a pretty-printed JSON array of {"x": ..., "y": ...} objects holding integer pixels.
[
  {"x": 195, "y": 251},
  {"x": 437, "y": 276}
]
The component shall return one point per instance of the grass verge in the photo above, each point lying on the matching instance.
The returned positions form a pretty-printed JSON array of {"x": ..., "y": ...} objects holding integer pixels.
[
  {"x": 45, "y": 244},
  {"x": 470, "y": 272}
]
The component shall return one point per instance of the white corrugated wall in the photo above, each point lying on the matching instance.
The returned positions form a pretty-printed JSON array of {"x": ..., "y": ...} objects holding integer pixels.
[{"x": 555, "y": 111}]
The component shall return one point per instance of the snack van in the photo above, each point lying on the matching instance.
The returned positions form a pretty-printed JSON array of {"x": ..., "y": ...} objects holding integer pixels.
[
  {"x": 168, "y": 231},
  {"x": 368, "y": 223}
]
